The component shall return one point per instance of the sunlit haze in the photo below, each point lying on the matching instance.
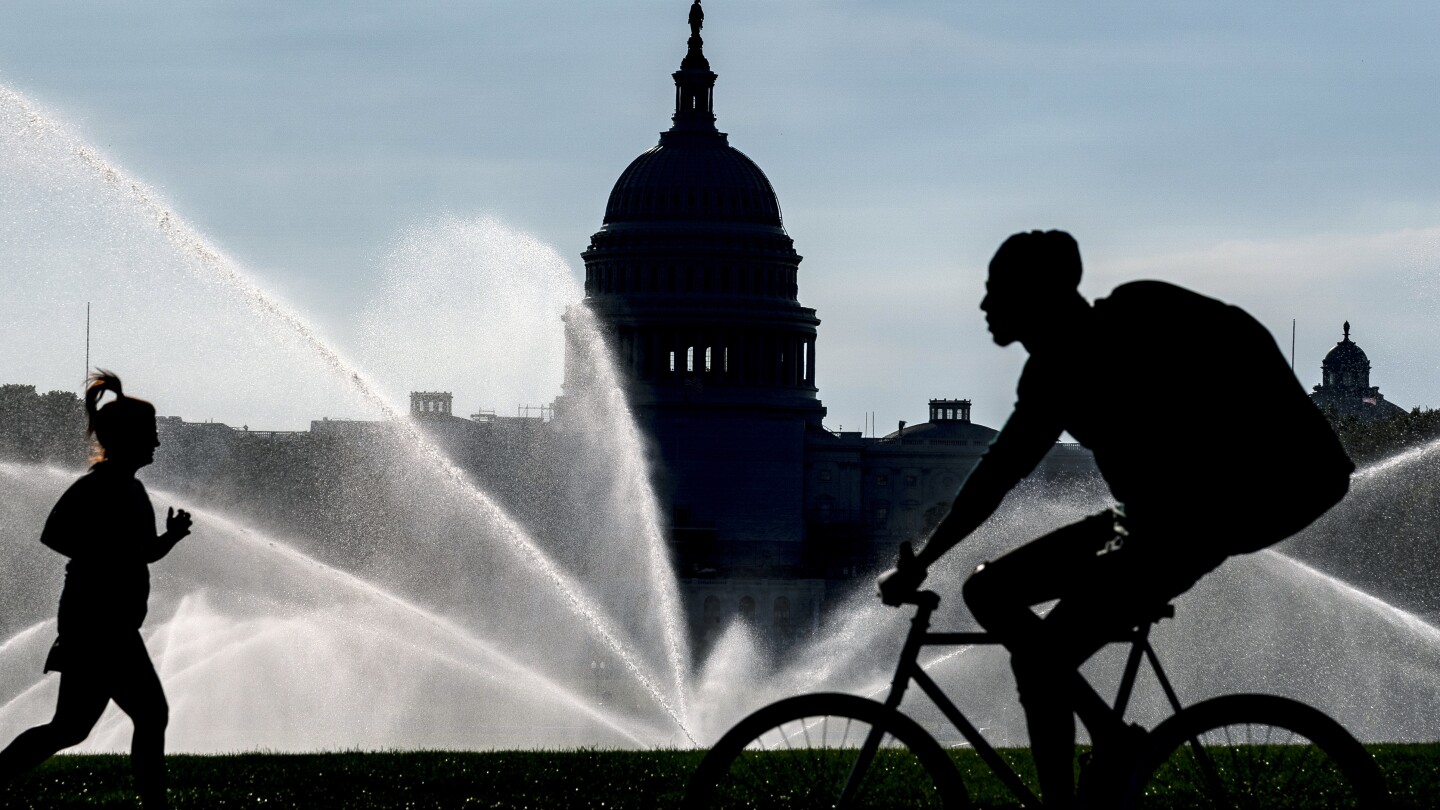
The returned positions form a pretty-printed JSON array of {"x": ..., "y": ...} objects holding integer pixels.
[{"x": 1277, "y": 156}]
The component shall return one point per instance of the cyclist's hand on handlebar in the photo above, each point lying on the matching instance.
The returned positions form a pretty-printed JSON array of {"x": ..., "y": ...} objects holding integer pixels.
[{"x": 901, "y": 582}]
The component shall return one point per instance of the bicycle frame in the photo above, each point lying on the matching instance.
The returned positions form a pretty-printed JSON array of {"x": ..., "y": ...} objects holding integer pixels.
[{"x": 1105, "y": 722}]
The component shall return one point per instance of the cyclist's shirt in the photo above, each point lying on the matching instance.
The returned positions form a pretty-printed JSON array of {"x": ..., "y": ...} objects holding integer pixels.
[{"x": 1188, "y": 405}]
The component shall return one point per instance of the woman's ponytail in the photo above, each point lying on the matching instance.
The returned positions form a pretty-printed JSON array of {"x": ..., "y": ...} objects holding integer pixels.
[
  {"x": 100, "y": 382},
  {"x": 121, "y": 422}
]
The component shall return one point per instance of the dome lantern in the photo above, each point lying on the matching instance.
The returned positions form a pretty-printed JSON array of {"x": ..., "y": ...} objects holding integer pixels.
[
  {"x": 694, "y": 83},
  {"x": 1346, "y": 367}
]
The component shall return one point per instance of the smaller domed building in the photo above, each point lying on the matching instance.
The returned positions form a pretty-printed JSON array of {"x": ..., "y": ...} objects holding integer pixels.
[{"x": 1345, "y": 388}]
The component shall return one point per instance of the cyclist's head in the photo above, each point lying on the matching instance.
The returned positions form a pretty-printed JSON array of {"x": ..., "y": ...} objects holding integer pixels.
[{"x": 1032, "y": 274}]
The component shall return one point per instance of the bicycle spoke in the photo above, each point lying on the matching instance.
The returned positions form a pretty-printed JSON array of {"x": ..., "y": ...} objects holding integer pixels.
[
  {"x": 1255, "y": 751},
  {"x": 816, "y": 754},
  {"x": 816, "y": 762},
  {"x": 1293, "y": 772}
]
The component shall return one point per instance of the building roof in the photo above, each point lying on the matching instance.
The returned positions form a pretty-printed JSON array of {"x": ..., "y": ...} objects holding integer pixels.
[{"x": 945, "y": 430}]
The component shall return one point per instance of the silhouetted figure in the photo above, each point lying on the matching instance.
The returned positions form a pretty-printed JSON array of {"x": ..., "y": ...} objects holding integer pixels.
[
  {"x": 1129, "y": 378},
  {"x": 104, "y": 523},
  {"x": 697, "y": 18}
]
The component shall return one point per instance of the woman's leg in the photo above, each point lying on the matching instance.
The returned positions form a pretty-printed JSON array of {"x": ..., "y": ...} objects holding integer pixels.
[
  {"x": 137, "y": 691},
  {"x": 82, "y": 700}
]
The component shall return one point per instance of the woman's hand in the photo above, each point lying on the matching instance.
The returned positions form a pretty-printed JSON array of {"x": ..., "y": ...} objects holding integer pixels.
[{"x": 177, "y": 524}]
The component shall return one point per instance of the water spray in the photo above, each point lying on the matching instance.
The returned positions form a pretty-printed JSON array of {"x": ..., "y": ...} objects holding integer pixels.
[{"x": 189, "y": 242}]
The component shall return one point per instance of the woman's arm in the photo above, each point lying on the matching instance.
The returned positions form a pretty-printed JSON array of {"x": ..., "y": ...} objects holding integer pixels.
[
  {"x": 66, "y": 529},
  {"x": 177, "y": 526}
]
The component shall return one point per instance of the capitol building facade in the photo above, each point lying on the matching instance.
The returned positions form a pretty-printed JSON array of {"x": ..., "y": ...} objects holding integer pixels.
[{"x": 697, "y": 286}]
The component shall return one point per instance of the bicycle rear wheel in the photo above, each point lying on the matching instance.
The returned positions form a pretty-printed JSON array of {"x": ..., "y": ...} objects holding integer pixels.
[
  {"x": 800, "y": 752},
  {"x": 1255, "y": 751}
]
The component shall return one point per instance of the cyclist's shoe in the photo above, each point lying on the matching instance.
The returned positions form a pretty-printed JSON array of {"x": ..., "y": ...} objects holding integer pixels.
[
  {"x": 900, "y": 583},
  {"x": 1106, "y": 778}
]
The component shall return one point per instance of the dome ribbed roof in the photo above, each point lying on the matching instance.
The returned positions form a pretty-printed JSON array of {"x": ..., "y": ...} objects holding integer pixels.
[
  {"x": 1346, "y": 354},
  {"x": 693, "y": 176}
]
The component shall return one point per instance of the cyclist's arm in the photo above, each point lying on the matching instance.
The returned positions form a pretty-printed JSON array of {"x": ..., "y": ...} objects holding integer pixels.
[{"x": 1028, "y": 435}]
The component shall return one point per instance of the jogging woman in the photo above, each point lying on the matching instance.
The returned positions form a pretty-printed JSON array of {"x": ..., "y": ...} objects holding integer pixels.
[{"x": 105, "y": 524}]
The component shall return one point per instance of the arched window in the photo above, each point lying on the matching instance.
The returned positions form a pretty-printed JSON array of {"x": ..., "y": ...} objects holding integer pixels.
[
  {"x": 747, "y": 608},
  {"x": 782, "y": 618},
  {"x": 707, "y": 358},
  {"x": 712, "y": 611},
  {"x": 689, "y": 358}
]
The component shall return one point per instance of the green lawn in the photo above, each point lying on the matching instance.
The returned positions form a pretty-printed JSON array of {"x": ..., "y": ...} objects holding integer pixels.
[{"x": 583, "y": 779}]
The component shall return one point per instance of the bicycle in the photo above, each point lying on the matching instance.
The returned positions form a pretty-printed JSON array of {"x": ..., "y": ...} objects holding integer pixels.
[{"x": 838, "y": 750}]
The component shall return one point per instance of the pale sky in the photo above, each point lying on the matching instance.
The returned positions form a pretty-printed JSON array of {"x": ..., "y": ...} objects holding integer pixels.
[{"x": 1281, "y": 156}]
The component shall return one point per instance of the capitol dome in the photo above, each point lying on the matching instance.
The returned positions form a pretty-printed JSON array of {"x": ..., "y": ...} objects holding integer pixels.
[
  {"x": 693, "y": 175},
  {"x": 690, "y": 176},
  {"x": 694, "y": 222},
  {"x": 695, "y": 285}
]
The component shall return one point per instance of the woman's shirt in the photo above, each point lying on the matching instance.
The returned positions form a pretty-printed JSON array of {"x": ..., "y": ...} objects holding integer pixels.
[{"x": 105, "y": 524}]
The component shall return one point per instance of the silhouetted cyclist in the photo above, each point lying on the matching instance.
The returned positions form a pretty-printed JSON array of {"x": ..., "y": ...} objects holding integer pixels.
[
  {"x": 1200, "y": 428},
  {"x": 104, "y": 523}
]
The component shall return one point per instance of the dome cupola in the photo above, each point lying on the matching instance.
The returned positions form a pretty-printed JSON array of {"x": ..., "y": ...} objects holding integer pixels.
[
  {"x": 1346, "y": 367},
  {"x": 1345, "y": 388}
]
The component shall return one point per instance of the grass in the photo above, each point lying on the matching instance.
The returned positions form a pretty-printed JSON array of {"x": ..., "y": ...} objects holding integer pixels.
[{"x": 612, "y": 780}]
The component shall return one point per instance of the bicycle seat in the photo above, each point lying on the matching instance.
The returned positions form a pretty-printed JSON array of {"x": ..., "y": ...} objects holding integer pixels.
[{"x": 926, "y": 600}]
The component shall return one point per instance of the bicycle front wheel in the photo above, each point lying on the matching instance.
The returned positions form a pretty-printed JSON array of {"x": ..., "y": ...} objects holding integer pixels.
[
  {"x": 1255, "y": 751},
  {"x": 802, "y": 752}
]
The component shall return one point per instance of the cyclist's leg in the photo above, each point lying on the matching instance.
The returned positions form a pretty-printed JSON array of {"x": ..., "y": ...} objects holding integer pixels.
[
  {"x": 1114, "y": 596},
  {"x": 1106, "y": 580},
  {"x": 1000, "y": 595},
  {"x": 1001, "y": 592}
]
